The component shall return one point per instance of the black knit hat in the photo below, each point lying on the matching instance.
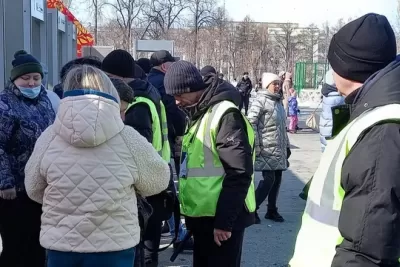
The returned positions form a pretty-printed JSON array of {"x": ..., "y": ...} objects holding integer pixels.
[
  {"x": 89, "y": 60},
  {"x": 207, "y": 69},
  {"x": 145, "y": 64},
  {"x": 362, "y": 47},
  {"x": 120, "y": 63},
  {"x": 125, "y": 92},
  {"x": 24, "y": 63},
  {"x": 183, "y": 77}
]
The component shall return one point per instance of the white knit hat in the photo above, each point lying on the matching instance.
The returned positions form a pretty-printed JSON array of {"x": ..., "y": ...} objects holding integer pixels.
[{"x": 268, "y": 78}]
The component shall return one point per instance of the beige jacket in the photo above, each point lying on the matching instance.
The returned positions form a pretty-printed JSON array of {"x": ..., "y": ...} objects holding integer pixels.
[{"x": 84, "y": 169}]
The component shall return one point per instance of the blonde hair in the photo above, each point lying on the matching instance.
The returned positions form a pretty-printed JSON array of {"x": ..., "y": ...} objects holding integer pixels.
[{"x": 89, "y": 77}]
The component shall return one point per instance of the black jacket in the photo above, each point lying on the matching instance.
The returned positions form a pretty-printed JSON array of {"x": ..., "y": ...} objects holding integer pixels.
[
  {"x": 245, "y": 86},
  {"x": 370, "y": 216},
  {"x": 236, "y": 156},
  {"x": 139, "y": 116},
  {"x": 176, "y": 119}
]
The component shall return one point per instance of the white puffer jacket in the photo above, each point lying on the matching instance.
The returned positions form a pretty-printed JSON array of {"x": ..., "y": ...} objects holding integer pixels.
[{"x": 84, "y": 169}]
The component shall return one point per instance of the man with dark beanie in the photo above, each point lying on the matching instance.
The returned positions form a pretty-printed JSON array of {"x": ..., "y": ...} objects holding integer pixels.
[
  {"x": 175, "y": 117},
  {"x": 352, "y": 214},
  {"x": 207, "y": 70},
  {"x": 216, "y": 186},
  {"x": 120, "y": 64}
]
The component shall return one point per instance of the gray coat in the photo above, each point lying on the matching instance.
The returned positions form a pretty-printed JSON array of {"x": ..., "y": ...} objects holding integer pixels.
[{"x": 268, "y": 118}]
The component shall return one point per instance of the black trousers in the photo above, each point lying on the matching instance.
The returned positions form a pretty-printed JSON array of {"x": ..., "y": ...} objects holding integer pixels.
[
  {"x": 269, "y": 187},
  {"x": 245, "y": 103},
  {"x": 152, "y": 237},
  {"x": 20, "y": 230},
  {"x": 207, "y": 254}
]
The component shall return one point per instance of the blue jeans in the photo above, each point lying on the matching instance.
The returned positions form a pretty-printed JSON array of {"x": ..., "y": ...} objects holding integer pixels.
[
  {"x": 182, "y": 230},
  {"x": 124, "y": 258}
]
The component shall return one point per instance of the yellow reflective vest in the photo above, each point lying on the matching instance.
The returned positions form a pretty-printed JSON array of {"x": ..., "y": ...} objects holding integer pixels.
[
  {"x": 202, "y": 173},
  {"x": 159, "y": 127},
  {"x": 319, "y": 234}
]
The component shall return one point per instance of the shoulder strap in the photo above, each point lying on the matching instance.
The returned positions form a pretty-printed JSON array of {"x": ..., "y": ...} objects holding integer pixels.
[
  {"x": 315, "y": 110},
  {"x": 177, "y": 219}
]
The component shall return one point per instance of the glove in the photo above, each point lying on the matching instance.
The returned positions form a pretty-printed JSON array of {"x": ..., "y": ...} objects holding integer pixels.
[
  {"x": 289, "y": 152},
  {"x": 8, "y": 194}
]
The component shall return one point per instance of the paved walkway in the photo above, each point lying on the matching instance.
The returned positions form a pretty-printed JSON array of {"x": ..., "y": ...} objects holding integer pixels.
[{"x": 271, "y": 244}]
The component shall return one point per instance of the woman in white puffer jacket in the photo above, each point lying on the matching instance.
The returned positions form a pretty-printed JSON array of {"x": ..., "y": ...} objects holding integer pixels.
[{"x": 86, "y": 169}]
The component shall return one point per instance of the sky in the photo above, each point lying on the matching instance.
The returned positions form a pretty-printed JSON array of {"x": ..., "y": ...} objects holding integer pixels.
[
  {"x": 306, "y": 12},
  {"x": 303, "y": 12}
]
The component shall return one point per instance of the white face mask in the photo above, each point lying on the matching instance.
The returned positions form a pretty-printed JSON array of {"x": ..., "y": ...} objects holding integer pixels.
[{"x": 30, "y": 92}]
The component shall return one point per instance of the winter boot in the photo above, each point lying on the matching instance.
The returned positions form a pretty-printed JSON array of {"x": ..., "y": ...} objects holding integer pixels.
[
  {"x": 257, "y": 220},
  {"x": 273, "y": 215}
]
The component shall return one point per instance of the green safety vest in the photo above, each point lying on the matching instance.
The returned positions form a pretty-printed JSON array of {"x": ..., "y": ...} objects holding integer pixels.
[
  {"x": 202, "y": 173},
  {"x": 319, "y": 233},
  {"x": 160, "y": 128}
]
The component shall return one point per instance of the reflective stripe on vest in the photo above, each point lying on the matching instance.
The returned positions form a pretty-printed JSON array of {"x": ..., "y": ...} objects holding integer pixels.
[
  {"x": 166, "y": 149},
  {"x": 159, "y": 128},
  {"x": 319, "y": 233},
  {"x": 202, "y": 172}
]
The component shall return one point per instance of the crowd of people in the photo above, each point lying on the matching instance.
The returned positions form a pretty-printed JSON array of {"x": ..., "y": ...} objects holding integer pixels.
[{"x": 87, "y": 170}]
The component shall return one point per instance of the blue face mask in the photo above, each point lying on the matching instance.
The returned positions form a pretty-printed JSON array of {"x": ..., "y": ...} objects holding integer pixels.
[{"x": 30, "y": 92}]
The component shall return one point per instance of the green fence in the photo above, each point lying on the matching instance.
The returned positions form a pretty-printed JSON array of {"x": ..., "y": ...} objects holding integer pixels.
[{"x": 308, "y": 75}]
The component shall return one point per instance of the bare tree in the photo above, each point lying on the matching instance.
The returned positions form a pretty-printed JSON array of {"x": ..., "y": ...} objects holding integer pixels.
[
  {"x": 325, "y": 40},
  {"x": 284, "y": 37},
  {"x": 220, "y": 25},
  {"x": 233, "y": 49},
  {"x": 109, "y": 34},
  {"x": 202, "y": 12},
  {"x": 96, "y": 6},
  {"x": 126, "y": 12},
  {"x": 95, "y": 9},
  {"x": 308, "y": 42},
  {"x": 162, "y": 15}
]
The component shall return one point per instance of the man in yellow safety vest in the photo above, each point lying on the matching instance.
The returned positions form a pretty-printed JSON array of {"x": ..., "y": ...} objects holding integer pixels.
[
  {"x": 216, "y": 188},
  {"x": 352, "y": 216}
]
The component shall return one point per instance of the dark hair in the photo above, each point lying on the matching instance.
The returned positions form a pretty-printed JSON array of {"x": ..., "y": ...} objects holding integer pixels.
[
  {"x": 139, "y": 73},
  {"x": 89, "y": 60},
  {"x": 125, "y": 92},
  {"x": 145, "y": 64},
  {"x": 245, "y": 73}
]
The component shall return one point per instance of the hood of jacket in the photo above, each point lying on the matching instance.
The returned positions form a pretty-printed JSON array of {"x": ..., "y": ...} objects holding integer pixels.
[
  {"x": 380, "y": 89},
  {"x": 269, "y": 95},
  {"x": 217, "y": 90},
  {"x": 145, "y": 89},
  {"x": 327, "y": 89},
  {"x": 88, "y": 119},
  {"x": 156, "y": 78}
]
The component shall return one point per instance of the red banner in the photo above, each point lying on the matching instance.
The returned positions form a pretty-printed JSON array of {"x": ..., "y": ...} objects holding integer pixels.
[{"x": 83, "y": 37}]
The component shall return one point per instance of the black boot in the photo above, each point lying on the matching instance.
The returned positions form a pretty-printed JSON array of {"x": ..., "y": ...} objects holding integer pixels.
[
  {"x": 273, "y": 215},
  {"x": 257, "y": 220}
]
